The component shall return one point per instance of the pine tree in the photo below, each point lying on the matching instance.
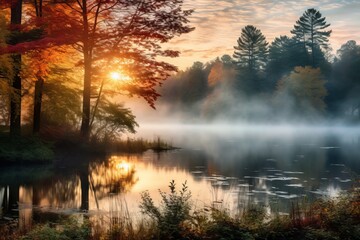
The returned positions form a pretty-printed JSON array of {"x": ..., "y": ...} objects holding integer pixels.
[
  {"x": 251, "y": 50},
  {"x": 309, "y": 31}
]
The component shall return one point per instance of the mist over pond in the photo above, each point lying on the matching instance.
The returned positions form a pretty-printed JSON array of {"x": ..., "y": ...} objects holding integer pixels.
[{"x": 225, "y": 165}]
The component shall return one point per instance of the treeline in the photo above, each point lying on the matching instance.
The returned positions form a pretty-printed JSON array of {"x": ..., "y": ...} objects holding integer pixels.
[{"x": 294, "y": 77}]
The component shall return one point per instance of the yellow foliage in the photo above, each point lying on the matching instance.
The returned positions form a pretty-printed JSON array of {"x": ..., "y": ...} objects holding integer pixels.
[{"x": 306, "y": 86}]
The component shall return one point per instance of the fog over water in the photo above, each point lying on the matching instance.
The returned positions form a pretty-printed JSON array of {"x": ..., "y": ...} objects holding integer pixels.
[{"x": 224, "y": 164}]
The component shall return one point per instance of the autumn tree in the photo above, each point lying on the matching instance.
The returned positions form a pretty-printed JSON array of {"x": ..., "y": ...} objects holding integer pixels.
[
  {"x": 305, "y": 88},
  {"x": 6, "y": 70},
  {"x": 25, "y": 37},
  {"x": 310, "y": 32},
  {"x": 124, "y": 36}
]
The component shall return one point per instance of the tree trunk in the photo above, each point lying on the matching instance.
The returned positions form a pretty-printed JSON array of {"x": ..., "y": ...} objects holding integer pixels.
[
  {"x": 39, "y": 85},
  {"x": 15, "y": 97},
  {"x": 84, "y": 178},
  {"x": 85, "y": 122}
]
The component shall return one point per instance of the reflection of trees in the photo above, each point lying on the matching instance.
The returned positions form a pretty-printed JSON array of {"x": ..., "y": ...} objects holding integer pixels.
[
  {"x": 111, "y": 177},
  {"x": 60, "y": 193}
]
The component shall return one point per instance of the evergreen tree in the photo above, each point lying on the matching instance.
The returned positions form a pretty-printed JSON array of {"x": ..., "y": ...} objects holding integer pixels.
[
  {"x": 250, "y": 57},
  {"x": 284, "y": 55},
  {"x": 251, "y": 50},
  {"x": 309, "y": 31}
]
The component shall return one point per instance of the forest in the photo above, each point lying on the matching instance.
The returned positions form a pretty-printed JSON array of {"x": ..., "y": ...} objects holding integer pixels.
[{"x": 294, "y": 78}]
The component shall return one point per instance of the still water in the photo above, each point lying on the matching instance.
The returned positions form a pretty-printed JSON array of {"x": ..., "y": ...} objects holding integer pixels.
[{"x": 231, "y": 168}]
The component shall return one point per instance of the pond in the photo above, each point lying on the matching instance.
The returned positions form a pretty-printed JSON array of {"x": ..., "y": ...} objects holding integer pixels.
[{"x": 232, "y": 168}]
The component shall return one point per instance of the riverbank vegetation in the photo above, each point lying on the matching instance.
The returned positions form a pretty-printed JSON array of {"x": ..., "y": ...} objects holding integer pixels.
[
  {"x": 176, "y": 217},
  {"x": 35, "y": 149}
]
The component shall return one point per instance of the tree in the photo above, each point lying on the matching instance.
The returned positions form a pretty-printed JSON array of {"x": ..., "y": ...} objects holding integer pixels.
[
  {"x": 15, "y": 99},
  {"x": 126, "y": 36},
  {"x": 6, "y": 70},
  {"x": 309, "y": 31},
  {"x": 251, "y": 50},
  {"x": 284, "y": 55},
  {"x": 112, "y": 120},
  {"x": 186, "y": 88},
  {"x": 345, "y": 83},
  {"x": 19, "y": 41},
  {"x": 305, "y": 89},
  {"x": 250, "y": 57}
]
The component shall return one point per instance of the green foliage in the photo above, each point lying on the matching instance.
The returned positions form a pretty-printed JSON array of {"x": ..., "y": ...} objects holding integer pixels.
[
  {"x": 113, "y": 119},
  {"x": 173, "y": 212},
  {"x": 61, "y": 101}
]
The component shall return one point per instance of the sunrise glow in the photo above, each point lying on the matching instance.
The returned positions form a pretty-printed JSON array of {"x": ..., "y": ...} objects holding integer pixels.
[{"x": 115, "y": 76}]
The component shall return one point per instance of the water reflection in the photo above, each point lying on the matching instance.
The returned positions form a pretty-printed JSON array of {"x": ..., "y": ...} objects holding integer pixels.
[
  {"x": 117, "y": 175},
  {"x": 222, "y": 170}
]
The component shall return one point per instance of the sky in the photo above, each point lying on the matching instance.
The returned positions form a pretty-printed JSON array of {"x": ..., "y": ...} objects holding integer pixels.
[{"x": 218, "y": 24}]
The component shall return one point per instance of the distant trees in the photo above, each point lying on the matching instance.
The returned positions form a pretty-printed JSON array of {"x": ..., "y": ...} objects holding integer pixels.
[
  {"x": 310, "y": 31},
  {"x": 288, "y": 76},
  {"x": 187, "y": 87}
]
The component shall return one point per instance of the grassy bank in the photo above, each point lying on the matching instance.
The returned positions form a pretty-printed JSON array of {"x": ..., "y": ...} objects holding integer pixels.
[
  {"x": 25, "y": 149},
  {"x": 176, "y": 218}
]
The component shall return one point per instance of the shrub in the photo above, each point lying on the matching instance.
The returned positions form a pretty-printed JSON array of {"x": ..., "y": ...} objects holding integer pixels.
[{"x": 171, "y": 214}]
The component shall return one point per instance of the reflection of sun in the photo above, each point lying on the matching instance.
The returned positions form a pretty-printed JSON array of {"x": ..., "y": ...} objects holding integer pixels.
[{"x": 123, "y": 166}]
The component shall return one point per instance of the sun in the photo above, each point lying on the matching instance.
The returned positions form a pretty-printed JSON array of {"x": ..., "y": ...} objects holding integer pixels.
[{"x": 115, "y": 76}]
